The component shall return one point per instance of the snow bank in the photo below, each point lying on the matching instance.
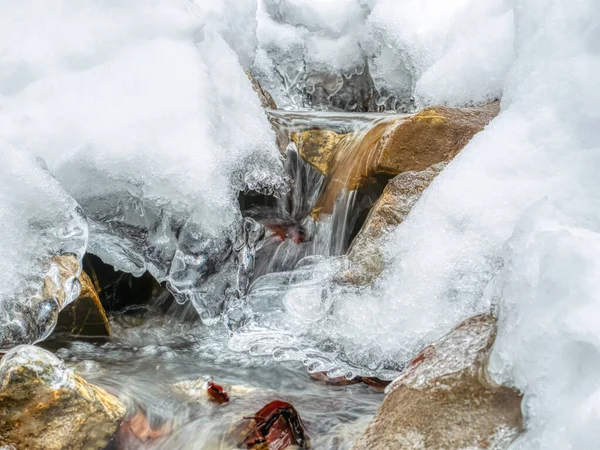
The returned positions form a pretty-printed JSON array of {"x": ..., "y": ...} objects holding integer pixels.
[
  {"x": 423, "y": 51},
  {"x": 144, "y": 114}
]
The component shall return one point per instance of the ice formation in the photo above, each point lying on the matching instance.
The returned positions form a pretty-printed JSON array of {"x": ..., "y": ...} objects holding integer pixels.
[
  {"x": 373, "y": 54},
  {"x": 144, "y": 114},
  {"x": 41, "y": 224}
]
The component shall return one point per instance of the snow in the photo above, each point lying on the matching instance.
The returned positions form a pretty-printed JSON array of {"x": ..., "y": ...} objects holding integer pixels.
[
  {"x": 423, "y": 51},
  {"x": 143, "y": 112}
]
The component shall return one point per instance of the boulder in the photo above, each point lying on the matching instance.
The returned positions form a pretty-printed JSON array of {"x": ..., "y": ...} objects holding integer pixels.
[
  {"x": 364, "y": 259},
  {"x": 390, "y": 147},
  {"x": 44, "y": 405},
  {"x": 85, "y": 316},
  {"x": 444, "y": 399},
  {"x": 433, "y": 135}
]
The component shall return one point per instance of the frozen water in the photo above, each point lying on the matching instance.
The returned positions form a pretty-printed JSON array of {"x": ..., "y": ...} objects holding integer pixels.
[
  {"x": 423, "y": 51},
  {"x": 41, "y": 224},
  {"x": 143, "y": 112}
]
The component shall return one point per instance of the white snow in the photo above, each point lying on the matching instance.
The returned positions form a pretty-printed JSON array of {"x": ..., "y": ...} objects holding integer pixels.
[
  {"x": 455, "y": 51},
  {"x": 144, "y": 114}
]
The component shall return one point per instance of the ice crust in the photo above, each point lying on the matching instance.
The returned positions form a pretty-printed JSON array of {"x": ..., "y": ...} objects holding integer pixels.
[
  {"x": 40, "y": 222},
  {"x": 143, "y": 112},
  {"x": 410, "y": 51}
]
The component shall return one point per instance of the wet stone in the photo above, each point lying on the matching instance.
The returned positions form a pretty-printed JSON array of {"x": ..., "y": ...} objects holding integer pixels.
[
  {"x": 45, "y": 406},
  {"x": 85, "y": 316},
  {"x": 444, "y": 400}
]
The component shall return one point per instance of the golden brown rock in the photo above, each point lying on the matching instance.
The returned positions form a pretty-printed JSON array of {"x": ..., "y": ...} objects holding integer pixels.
[
  {"x": 85, "y": 316},
  {"x": 45, "y": 406},
  {"x": 317, "y": 147},
  {"x": 266, "y": 100},
  {"x": 444, "y": 400},
  {"x": 61, "y": 278},
  {"x": 433, "y": 135},
  {"x": 391, "y": 147}
]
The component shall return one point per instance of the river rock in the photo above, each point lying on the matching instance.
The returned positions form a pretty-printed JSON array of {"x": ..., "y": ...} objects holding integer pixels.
[
  {"x": 317, "y": 147},
  {"x": 46, "y": 406},
  {"x": 390, "y": 147},
  {"x": 444, "y": 400},
  {"x": 365, "y": 259},
  {"x": 85, "y": 316},
  {"x": 266, "y": 100},
  {"x": 433, "y": 135}
]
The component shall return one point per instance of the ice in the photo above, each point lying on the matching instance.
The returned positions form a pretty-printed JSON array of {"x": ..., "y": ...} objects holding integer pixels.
[
  {"x": 454, "y": 52},
  {"x": 410, "y": 51},
  {"x": 41, "y": 224},
  {"x": 143, "y": 112}
]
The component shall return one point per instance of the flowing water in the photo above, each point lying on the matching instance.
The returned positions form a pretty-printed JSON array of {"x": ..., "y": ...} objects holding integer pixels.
[{"x": 159, "y": 361}]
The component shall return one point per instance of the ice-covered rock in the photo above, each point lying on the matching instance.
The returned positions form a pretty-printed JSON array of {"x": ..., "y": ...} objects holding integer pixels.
[
  {"x": 150, "y": 124},
  {"x": 44, "y": 405},
  {"x": 44, "y": 236},
  {"x": 444, "y": 400}
]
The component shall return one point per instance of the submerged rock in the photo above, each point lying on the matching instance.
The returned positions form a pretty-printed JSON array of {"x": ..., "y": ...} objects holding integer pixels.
[
  {"x": 44, "y": 405},
  {"x": 365, "y": 259},
  {"x": 444, "y": 400},
  {"x": 317, "y": 147}
]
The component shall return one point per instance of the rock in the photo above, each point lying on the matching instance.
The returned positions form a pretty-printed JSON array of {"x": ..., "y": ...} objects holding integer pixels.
[
  {"x": 390, "y": 147},
  {"x": 44, "y": 405},
  {"x": 86, "y": 315},
  {"x": 433, "y": 135},
  {"x": 266, "y": 99},
  {"x": 365, "y": 260},
  {"x": 317, "y": 147},
  {"x": 444, "y": 400}
]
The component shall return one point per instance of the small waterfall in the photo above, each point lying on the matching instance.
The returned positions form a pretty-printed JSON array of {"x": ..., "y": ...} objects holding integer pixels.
[{"x": 332, "y": 160}]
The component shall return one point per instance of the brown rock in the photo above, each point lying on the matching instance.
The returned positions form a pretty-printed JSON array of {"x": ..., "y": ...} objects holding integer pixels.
[
  {"x": 85, "y": 316},
  {"x": 45, "y": 406},
  {"x": 61, "y": 278},
  {"x": 433, "y": 135},
  {"x": 365, "y": 261},
  {"x": 317, "y": 147},
  {"x": 266, "y": 99},
  {"x": 444, "y": 400},
  {"x": 412, "y": 143}
]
